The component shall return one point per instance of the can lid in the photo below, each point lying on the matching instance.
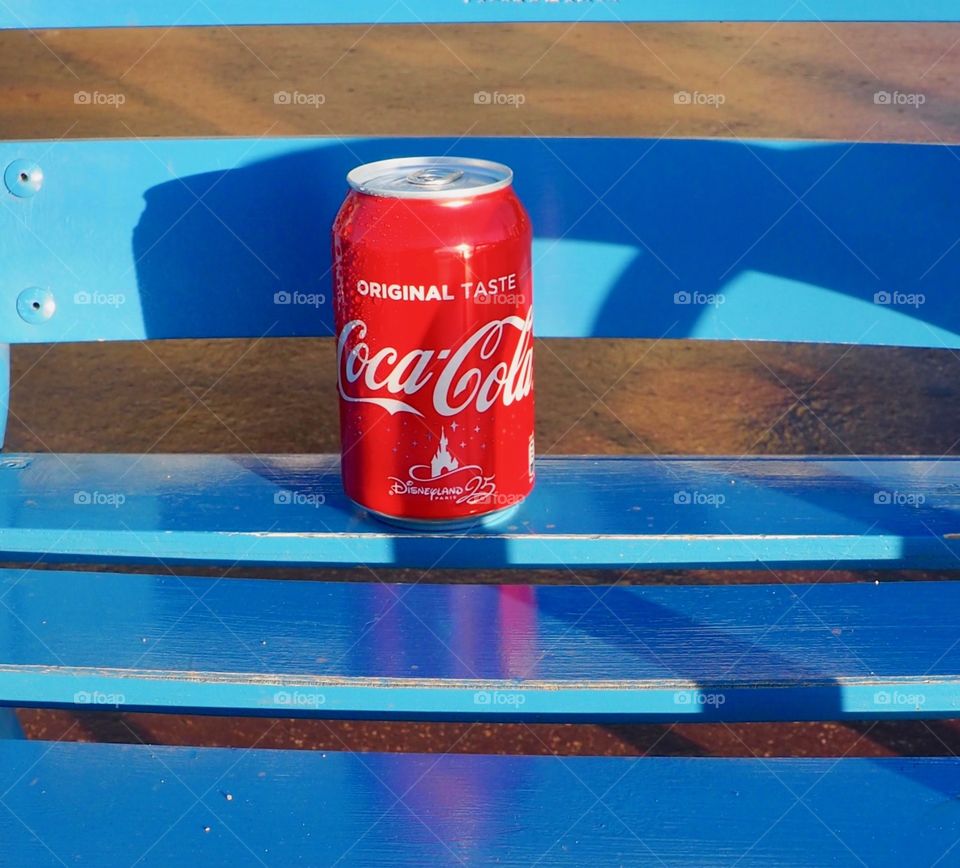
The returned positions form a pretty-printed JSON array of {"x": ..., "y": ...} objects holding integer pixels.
[{"x": 430, "y": 177}]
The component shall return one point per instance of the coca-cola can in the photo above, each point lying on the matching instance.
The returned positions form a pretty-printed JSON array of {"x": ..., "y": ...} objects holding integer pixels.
[{"x": 434, "y": 324}]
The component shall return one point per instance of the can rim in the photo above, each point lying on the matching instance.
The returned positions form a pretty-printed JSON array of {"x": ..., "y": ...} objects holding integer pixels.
[{"x": 359, "y": 178}]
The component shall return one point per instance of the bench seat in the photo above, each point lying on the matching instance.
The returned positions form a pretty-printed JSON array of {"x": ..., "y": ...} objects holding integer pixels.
[
  {"x": 495, "y": 652},
  {"x": 103, "y": 804},
  {"x": 619, "y": 511}
]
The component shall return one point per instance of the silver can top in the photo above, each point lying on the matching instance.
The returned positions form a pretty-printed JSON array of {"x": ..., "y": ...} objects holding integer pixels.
[{"x": 430, "y": 177}]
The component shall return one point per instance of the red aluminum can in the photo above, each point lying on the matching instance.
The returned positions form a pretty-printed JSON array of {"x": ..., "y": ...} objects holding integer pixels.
[{"x": 434, "y": 321}]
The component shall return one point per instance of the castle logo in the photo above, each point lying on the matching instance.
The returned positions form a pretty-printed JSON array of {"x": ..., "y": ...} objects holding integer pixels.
[
  {"x": 443, "y": 461},
  {"x": 445, "y": 479}
]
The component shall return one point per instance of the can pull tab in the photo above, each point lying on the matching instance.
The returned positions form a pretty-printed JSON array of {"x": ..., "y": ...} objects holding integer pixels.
[{"x": 434, "y": 177}]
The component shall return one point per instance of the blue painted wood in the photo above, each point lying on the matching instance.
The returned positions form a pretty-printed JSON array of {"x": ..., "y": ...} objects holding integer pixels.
[
  {"x": 699, "y": 239},
  {"x": 614, "y": 511},
  {"x": 9, "y": 725},
  {"x": 157, "y": 806},
  {"x": 4, "y": 390},
  {"x": 170, "y": 13},
  {"x": 480, "y": 652}
]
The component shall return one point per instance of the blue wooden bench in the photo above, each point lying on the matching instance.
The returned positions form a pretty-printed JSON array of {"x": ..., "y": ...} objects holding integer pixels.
[{"x": 131, "y": 240}]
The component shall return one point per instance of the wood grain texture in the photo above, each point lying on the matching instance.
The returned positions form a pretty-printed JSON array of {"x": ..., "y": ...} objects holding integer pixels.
[
  {"x": 122, "y": 805},
  {"x": 472, "y": 652},
  {"x": 715, "y": 248},
  {"x": 590, "y": 511}
]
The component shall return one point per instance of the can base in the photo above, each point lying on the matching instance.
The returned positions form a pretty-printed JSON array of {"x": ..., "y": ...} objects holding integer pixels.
[{"x": 486, "y": 520}]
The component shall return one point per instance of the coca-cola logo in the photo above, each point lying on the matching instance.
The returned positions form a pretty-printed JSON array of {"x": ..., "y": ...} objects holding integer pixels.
[{"x": 493, "y": 364}]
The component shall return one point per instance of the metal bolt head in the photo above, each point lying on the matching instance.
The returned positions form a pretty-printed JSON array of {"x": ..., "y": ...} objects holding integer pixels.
[
  {"x": 23, "y": 178},
  {"x": 36, "y": 305}
]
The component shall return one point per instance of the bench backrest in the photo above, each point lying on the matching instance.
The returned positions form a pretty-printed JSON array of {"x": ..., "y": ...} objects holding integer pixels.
[
  {"x": 720, "y": 239},
  {"x": 727, "y": 240}
]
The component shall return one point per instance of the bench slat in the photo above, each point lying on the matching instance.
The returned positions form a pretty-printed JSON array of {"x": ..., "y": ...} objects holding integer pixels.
[
  {"x": 635, "y": 238},
  {"x": 120, "y": 804},
  {"x": 169, "y": 13},
  {"x": 590, "y": 511},
  {"x": 303, "y": 648},
  {"x": 4, "y": 389}
]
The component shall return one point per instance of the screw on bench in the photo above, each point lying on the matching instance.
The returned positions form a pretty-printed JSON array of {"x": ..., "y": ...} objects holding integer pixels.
[
  {"x": 23, "y": 178},
  {"x": 36, "y": 305}
]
